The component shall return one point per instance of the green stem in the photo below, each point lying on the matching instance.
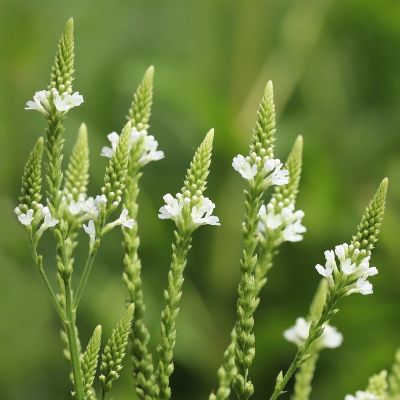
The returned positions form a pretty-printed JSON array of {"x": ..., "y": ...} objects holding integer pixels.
[
  {"x": 172, "y": 297},
  {"x": 316, "y": 330},
  {"x": 85, "y": 274},
  {"x": 227, "y": 370},
  {"x": 247, "y": 304},
  {"x": 304, "y": 376},
  {"x": 73, "y": 342},
  {"x": 38, "y": 260},
  {"x": 142, "y": 361}
]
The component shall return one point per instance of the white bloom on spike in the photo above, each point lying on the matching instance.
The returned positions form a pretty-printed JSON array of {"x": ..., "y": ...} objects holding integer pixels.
[
  {"x": 90, "y": 229},
  {"x": 201, "y": 214},
  {"x": 280, "y": 176},
  {"x": 284, "y": 224},
  {"x": 347, "y": 266},
  {"x": 39, "y": 99},
  {"x": 172, "y": 208},
  {"x": 353, "y": 266},
  {"x": 106, "y": 151},
  {"x": 272, "y": 163},
  {"x": 91, "y": 207},
  {"x": 124, "y": 220},
  {"x": 24, "y": 219},
  {"x": 48, "y": 221},
  {"x": 361, "y": 395},
  {"x": 293, "y": 232},
  {"x": 241, "y": 165},
  {"x": 331, "y": 338},
  {"x": 65, "y": 101},
  {"x": 364, "y": 286},
  {"x": 298, "y": 334},
  {"x": 150, "y": 152}
]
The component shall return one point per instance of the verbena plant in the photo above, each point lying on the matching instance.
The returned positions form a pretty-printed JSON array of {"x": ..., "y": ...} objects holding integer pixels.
[{"x": 67, "y": 208}]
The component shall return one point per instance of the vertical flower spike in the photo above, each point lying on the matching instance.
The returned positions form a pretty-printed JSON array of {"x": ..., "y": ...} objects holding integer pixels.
[
  {"x": 114, "y": 352},
  {"x": 142, "y": 361},
  {"x": 349, "y": 275},
  {"x": 270, "y": 239},
  {"x": 77, "y": 172},
  {"x": 30, "y": 197},
  {"x": 140, "y": 110},
  {"x": 187, "y": 211},
  {"x": 279, "y": 222},
  {"x": 62, "y": 72},
  {"x": 394, "y": 376},
  {"x": 261, "y": 170},
  {"x": 89, "y": 361}
]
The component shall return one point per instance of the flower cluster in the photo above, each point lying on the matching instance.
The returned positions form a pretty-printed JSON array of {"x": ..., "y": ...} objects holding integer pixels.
[
  {"x": 201, "y": 213},
  {"x": 298, "y": 334},
  {"x": 361, "y": 395},
  {"x": 44, "y": 99},
  {"x": 149, "y": 150},
  {"x": 283, "y": 222},
  {"x": 89, "y": 208},
  {"x": 249, "y": 166},
  {"x": 31, "y": 215},
  {"x": 353, "y": 268}
]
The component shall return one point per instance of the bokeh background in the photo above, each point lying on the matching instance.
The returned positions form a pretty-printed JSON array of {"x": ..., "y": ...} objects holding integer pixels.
[{"x": 336, "y": 72}]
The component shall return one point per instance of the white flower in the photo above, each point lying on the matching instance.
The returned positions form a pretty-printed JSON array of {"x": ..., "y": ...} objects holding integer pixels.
[
  {"x": 24, "y": 219},
  {"x": 364, "y": 286},
  {"x": 65, "y": 101},
  {"x": 361, "y": 395},
  {"x": 272, "y": 163},
  {"x": 286, "y": 222},
  {"x": 113, "y": 137},
  {"x": 172, "y": 208},
  {"x": 48, "y": 221},
  {"x": 353, "y": 266},
  {"x": 37, "y": 104},
  {"x": 201, "y": 214},
  {"x": 331, "y": 338},
  {"x": 124, "y": 220},
  {"x": 298, "y": 334},
  {"x": 90, "y": 229},
  {"x": 280, "y": 176},
  {"x": 150, "y": 152},
  {"x": 292, "y": 233},
  {"x": 241, "y": 165},
  {"x": 91, "y": 207}
]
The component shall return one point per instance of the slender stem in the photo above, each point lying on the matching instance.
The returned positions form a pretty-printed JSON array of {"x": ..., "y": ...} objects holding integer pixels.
[
  {"x": 316, "y": 331},
  {"x": 85, "y": 275},
  {"x": 170, "y": 312},
  {"x": 38, "y": 260},
  {"x": 227, "y": 370},
  {"x": 73, "y": 342}
]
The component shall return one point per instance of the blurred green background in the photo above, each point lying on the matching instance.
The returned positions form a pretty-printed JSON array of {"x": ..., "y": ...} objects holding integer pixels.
[{"x": 336, "y": 72}]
